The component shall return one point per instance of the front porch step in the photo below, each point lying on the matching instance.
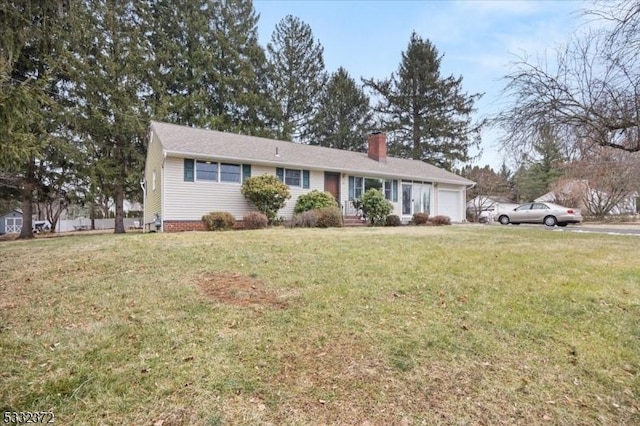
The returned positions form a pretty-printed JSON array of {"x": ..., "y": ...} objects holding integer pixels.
[{"x": 353, "y": 221}]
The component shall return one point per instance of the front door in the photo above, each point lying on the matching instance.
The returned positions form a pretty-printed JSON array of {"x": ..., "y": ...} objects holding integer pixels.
[
  {"x": 407, "y": 199},
  {"x": 332, "y": 184}
]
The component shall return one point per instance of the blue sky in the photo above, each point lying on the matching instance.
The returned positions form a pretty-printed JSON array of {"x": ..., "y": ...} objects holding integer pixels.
[{"x": 478, "y": 39}]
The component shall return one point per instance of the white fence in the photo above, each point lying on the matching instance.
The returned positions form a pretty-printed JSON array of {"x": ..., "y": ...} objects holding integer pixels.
[{"x": 81, "y": 224}]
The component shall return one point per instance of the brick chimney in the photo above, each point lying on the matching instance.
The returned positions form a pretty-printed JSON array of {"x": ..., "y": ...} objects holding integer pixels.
[{"x": 378, "y": 146}]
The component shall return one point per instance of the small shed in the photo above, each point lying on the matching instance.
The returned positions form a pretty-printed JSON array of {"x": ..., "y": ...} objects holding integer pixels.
[{"x": 11, "y": 222}]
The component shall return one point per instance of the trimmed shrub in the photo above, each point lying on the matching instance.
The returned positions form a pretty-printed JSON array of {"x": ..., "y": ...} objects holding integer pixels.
[
  {"x": 308, "y": 219},
  {"x": 440, "y": 220},
  {"x": 420, "y": 218},
  {"x": 375, "y": 207},
  {"x": 218, "y": 221},
  {"x": 255, "y": 220},
  {"x": 393, "y": 220},
  {"x": 329, "y": 217},
  {"x": 314, "y": 200},
  {"x": 267, "y": 193}
]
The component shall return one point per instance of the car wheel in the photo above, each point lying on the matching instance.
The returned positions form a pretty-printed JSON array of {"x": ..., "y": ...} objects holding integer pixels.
[
  {"x": 550, "y": 221},
  {"x": 504, "y": 220}
]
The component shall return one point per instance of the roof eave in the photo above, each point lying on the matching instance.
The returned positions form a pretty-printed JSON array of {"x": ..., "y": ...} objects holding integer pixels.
[{"x": 262, "y": 162}]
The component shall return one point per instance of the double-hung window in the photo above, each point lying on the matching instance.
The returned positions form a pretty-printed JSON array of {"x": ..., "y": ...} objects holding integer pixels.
[
  {"x": 356, "y": 184},
  {"x": 294, "y": 177},
  {"x": 212, "y": 171},
  {"x": 206, "y": 170},
  {"x": 230, "y": 173},
  {"x": 391, "y": 190}
]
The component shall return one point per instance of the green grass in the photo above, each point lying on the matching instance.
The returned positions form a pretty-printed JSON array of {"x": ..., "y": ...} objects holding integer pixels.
[{"x": 428, "y": 325}]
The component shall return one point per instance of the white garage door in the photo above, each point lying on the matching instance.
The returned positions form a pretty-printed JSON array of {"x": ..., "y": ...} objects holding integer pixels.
[{"x": 450, "y": 204}]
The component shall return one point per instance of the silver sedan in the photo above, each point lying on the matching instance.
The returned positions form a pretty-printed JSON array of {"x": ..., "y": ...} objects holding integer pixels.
[{"x": 547, "y": 213}]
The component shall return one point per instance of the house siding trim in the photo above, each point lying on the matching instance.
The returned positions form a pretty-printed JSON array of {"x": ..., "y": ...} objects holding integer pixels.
[
  {"x": 307, "y": 166},
  {"x": 153, "y": 199}
]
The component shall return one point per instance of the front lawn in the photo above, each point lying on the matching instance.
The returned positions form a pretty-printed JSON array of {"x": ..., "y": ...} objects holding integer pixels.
[{"x": 428, "y": 325}]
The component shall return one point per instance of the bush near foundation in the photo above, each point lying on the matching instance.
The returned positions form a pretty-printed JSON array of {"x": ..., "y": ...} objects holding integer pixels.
[
  {"x": 314, "y": 200},
  {"x": 440, "y": 220},
  {"x": 329, "y": 217},
  {"x": 218, "y": 221},
  {"x": 393, "y": 220},
  {"x": 375, "y": 207},
  {"x": 308, "y": 219},
  {"x": 267, "y": 193},
  {"x": 419, "y": 219},
  {"x": 255, "y": 220}
]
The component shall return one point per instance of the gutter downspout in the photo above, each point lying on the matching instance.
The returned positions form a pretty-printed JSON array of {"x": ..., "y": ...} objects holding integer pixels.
[
  {"x": 144, "y": 202},
  {"x": 162, "y": 196}
]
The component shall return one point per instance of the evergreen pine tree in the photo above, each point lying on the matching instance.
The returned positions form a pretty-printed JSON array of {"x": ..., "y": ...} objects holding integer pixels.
[
  {"x": 31, "y": 39},
  {"x": 237, "y": 87},
  {"x": 108, "y": 72},
  {"x": 344, "y": 116},
  {"x": 534, "y": 178},
  {"x": 428, "y": 115},
  {"x": 297, "y": 76},
  {"x": 182, "y": 65}
]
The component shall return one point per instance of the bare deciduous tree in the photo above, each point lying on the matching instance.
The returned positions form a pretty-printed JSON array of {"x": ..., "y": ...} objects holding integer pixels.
[
  {"x": 608, "y": 179},
  {"x": 591, "y": 89},
  {"x": 490, "y": 186}
]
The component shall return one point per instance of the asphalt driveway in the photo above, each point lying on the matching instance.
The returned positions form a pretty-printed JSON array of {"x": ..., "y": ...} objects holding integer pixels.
[
  {"x": 606, "y": 228},
  {"x": 630, "y": 228}
]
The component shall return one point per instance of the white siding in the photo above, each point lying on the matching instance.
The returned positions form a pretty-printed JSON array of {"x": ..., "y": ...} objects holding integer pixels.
[
  {"x": 152, "y": 202},
  {"x": 192, "y": 200},
  {"x": 316, "y": 181}
]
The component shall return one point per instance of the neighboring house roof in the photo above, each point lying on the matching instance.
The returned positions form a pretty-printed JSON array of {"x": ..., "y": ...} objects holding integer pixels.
[
  {"x": 565, "y": 188},
  {"x": 485, "y": 201},
  {"x": 492, "y": 198},
  {"x": 549, "y": 197},
  {"x": 579, "y": 188},
  {"x": 11, "y": 211},
  {"x": 183, "y": 141}
]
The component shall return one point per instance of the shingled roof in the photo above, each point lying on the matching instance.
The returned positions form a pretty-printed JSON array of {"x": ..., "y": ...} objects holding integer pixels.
[{"x": 189, "y": 142}]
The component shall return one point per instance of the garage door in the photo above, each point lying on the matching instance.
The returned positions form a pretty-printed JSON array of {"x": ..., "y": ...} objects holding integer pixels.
[{"x": 450, "y": 204}]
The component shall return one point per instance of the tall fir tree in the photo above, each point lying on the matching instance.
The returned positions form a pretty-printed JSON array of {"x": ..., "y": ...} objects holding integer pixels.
[
  {"x": 534, "y": 177},
  {"x": 297, "y": 76},
  {"x": 344, "y": 116},
  {"x": 108, "y": 66},
  {"x": 181, "y": 61},
  {"x": 207, "y": 68},
  {"x": 428, "y": 115},
  {"x": 237, "y": 87},
  {"x": 32, "y": 37}
]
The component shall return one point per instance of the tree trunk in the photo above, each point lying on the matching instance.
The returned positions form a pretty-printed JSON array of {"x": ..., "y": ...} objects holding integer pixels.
[
  {"x": 119, "y": 199},
  {"x": 92, "y": 215},
  {"x": 28, "y": 185}
]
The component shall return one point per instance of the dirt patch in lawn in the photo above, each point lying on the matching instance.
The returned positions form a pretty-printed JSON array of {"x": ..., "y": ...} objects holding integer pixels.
[{"x": 238, "y": 290}]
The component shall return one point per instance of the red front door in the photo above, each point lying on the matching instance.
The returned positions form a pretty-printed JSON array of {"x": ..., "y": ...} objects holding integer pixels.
[{"x": 332, "y": 184}]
